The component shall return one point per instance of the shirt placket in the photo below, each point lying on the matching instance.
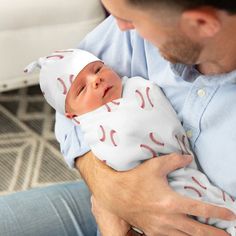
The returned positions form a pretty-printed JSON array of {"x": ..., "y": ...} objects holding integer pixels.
[{"x": 195, "y": 106}]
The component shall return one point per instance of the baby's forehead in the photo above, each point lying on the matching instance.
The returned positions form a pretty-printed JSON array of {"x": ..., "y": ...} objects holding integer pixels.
[
  {"x": 91, "y": 64},
  {"x": 86, "y": 70},
  {"x": 89, "y": 67}
]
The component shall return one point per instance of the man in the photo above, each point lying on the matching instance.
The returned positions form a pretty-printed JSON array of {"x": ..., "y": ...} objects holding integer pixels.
[
  {"x": 201, "y": 89},
  {"x": 190, "y": 33}
]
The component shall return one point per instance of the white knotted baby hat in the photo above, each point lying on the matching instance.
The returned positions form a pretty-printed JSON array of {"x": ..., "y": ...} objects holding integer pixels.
[{"x": 57, "y": 72}]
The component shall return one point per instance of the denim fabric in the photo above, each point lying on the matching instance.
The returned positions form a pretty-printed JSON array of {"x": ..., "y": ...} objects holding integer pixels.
[{"x": 58, "y": 210}]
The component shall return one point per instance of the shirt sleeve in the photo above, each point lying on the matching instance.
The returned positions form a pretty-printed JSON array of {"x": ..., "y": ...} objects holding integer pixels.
[
  {"x": 71, "y": 140},
  {"x": 112, "y": 46}
]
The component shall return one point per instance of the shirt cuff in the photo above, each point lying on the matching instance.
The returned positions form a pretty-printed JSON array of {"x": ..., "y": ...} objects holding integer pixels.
[{"x": 71, "y": 139}]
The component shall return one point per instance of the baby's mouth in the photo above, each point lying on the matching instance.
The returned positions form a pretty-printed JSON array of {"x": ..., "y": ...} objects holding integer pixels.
[{"x": 106, "y": 91}]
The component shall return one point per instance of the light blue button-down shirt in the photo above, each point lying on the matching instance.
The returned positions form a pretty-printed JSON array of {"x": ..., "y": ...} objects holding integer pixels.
[{"x": 206, "y": 105}]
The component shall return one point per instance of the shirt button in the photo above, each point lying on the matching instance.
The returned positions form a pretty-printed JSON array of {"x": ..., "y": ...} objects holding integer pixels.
[
  {"x": 189, "y": 134},
  {"x": 201, "y": 93}
]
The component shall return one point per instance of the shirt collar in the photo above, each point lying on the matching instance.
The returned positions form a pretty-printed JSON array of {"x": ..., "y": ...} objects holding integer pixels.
[
  {"x": 186, "y": 72},
  {"x": 190, "y": 73}
]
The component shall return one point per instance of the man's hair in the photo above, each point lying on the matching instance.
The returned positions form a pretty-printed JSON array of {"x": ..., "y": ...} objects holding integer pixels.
[{"x": 227, "y": 5}]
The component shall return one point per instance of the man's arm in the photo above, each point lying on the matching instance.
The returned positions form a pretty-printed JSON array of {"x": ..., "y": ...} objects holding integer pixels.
[
  {"x": 143, "y": 198},
  {"x": 103, "y": 217}
]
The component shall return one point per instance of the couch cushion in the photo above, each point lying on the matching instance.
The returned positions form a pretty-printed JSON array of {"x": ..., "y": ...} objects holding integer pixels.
[
  {"x": 24, "y": 14},
  {"x": 30, "y": 29}
]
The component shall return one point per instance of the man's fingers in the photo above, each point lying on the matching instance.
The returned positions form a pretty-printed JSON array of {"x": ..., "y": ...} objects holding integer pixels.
[
  {"x": 194, "y": 228},
  {"x": 176, "y": 233},
  {"x": 167, "y": 230},
  {"x": 205, "y": 210},
  {"x": 169, "y": 163}
]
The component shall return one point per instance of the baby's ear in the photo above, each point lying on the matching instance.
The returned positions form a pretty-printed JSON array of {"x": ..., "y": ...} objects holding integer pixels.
[{"x": 69, "y": 115}]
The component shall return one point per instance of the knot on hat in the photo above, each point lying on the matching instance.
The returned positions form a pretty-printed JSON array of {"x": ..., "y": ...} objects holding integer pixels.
[{"x": 57, "y": 73}]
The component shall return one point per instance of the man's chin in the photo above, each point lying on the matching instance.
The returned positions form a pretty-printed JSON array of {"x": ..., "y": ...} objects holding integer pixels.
[
  {"x": 175, "y": 60},
  {"x": 170, "y": 58}
]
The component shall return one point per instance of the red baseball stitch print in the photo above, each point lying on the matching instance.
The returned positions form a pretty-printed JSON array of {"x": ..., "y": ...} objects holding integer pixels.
[
  {"x": 63, "y": 51},
  {"x": 142, "y": 105},
  {"x": 63, "y": 85},
  {"x": 71, "y": 79},
  {"x": 112, "y": 137},
  {"x": 142, "y": 99},
  {"x": 115, "y": 103},
  {"x": 197, "y": 182},
  {"x": 108, "y": 108},
  {"x": 182, "y": 144},
  {"x": 76, "y": 121},
  {"x": 149, "y": 149},
  {"x": 102, "y": 139},
  {"x": 151, "y": 135},
  {"x": 233, "y": 200},
  {"x": 148, "y": 96},
  {"x": 55, "y": 56},
  {"x": 223, "y": 195},
  {"x": 194, "y": 189}
]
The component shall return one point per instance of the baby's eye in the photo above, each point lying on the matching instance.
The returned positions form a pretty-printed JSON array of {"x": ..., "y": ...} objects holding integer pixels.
[
  {"x": 81, "y": 89},
  {"x": 98, "y": 69}
]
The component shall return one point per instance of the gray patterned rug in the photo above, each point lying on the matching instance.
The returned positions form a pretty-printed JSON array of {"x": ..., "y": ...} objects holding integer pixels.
[{"x": 29, "y": 152}]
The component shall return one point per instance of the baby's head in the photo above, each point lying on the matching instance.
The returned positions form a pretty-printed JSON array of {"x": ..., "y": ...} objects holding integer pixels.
[{"x": 75, "y": 82}]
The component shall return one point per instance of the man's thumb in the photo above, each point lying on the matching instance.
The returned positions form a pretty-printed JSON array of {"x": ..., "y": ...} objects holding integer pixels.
[{"x": 172, "y": 162}]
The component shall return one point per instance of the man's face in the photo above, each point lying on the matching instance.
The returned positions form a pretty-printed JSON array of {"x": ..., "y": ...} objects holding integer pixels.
[
  {"x": 160, "y": 27},
  {"x": 93, "y": 87}
]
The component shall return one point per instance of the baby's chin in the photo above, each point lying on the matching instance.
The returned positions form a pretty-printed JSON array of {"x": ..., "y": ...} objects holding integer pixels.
[{"x": 115, "y": 93}]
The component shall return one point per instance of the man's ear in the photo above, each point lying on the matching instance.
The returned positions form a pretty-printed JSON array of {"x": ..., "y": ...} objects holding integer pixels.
[{"x": 201, "y": 23}]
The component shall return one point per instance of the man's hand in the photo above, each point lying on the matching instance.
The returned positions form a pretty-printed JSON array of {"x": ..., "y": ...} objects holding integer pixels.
[
  {"x": 143, "y": 197},
  {"x": 108, "y": 223}
]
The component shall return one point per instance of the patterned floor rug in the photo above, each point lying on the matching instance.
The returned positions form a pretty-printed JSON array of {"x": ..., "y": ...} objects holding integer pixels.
[{"x": 29, "y": 152}]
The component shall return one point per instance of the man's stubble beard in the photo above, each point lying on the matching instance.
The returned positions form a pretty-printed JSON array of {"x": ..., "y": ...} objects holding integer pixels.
[{"x": 180, "y": 49}]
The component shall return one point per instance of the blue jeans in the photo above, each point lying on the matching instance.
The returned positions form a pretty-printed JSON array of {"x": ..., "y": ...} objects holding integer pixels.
[{"x": 58, "y": 210}]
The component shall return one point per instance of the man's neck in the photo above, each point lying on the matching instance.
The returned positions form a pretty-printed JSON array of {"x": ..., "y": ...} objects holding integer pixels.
[
  {"x": 218, "y": 60},
  {"x": 218, "y": 57},
  {"x": 215, "y": 68}
]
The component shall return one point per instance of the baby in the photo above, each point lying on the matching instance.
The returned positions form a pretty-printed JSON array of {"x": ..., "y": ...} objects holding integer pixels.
[{"x": 125, "y": 122}]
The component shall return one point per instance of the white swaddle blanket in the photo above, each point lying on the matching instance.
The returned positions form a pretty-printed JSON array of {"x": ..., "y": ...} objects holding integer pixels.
[{"x": 142, "y": 125}]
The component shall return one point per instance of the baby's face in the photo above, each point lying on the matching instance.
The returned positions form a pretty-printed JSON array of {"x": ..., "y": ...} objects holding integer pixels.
[{"x": 93, "y": 87}]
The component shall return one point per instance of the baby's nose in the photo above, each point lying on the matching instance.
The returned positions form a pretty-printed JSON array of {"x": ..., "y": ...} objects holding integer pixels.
[{"x": 96, "y": 81}]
